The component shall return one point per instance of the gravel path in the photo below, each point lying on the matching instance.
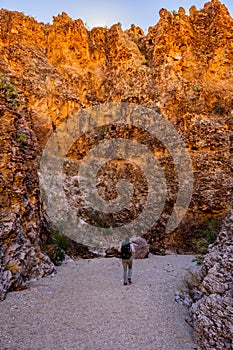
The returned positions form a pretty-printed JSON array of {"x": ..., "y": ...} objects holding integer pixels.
[{"x": 86, "y": 307}]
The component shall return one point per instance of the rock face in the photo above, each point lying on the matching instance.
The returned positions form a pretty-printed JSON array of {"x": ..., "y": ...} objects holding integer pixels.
[
  {"x": 182, "y": 68},
  {"x": 21, "y": 217},
  {"x": 210, "y": 300},
  {"x": 213, "y": 312}
]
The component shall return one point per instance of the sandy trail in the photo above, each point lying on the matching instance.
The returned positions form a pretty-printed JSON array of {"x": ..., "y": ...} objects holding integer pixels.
[{"x": 86, "y": 307}]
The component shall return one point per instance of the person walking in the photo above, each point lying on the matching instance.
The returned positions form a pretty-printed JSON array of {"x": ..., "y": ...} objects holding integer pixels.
[{"x": 126, "y": 253}]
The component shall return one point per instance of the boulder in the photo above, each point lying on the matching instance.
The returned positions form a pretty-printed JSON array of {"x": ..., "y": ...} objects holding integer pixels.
[
  {"x": 111, "y": 252},
  {"x": 141, "y": 248}
]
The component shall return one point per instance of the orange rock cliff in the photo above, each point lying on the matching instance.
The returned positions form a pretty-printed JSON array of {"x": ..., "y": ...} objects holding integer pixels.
[{"x": 183, "y": 68}]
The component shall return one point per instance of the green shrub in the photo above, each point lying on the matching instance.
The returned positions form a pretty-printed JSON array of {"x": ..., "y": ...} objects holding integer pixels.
[
  {"x": 217, "y": 108},
  {"x": 198, "y": 259},
  {"x": 190, "y": 284},
  {"x": 174, "y": 13},
  {"x": 207, "y": 236},
  {"x": 60, "y": 241},
  {"x": 145, "y": 63},
  {"x": 22, "y": 140},
  {"x": 8, "y": 92},
  {"x": 56, "y": 247},
  {"x": 20, "y": 137},
  {"x": 198, "y": 88}
]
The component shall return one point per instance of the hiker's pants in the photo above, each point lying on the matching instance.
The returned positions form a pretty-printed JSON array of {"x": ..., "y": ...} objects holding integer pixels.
[{"x": 127, "y": 269}]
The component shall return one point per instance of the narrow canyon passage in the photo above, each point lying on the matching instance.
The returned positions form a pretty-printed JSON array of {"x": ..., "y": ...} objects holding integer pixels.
[{"x": 85, "y": 306}]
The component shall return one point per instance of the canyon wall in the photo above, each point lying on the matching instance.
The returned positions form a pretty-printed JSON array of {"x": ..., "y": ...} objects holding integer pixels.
[
  {"x": 182, "y": 68},
  {"x": 22, "y": 221},
  {"x": 213, "y": 311},
  {"x": 209, "y": 293}
]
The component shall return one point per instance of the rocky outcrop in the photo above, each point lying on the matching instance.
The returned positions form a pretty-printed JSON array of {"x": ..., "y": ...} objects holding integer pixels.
[
  {"x": 210, "y": 298},
  {"x": 21, "y": 218},
  {"x": 213, "y": 312},
  {"x": 182, "y": 68}
]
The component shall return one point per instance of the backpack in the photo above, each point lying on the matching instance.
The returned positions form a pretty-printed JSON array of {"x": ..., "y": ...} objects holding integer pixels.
[{"x": 126, "y": 251}]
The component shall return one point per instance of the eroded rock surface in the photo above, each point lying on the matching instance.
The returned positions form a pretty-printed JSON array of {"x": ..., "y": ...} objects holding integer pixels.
[
  {"x": 182, "y": 68},
  {"x": 21, "y": 220},
  {"x": 213, "y": 313},
  {"x": 210, "y": 299}
]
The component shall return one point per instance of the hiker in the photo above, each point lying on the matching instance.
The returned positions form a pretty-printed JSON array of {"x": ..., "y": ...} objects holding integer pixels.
[{"x": 126, "y": 253}]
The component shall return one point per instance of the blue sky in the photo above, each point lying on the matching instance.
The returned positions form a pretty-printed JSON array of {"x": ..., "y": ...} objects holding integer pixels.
[{"x": 143, "y": 13}]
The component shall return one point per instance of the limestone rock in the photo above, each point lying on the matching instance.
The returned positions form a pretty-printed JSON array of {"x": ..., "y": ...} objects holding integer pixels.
[
  {"x": 21, "y": 220},
  {"x": 182, "y": 68},
  {"x": 213, "y": 312},
  {"x": 211, "y": 299}
]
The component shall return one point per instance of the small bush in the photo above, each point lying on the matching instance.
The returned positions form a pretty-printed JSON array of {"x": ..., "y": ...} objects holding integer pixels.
[
  {"x": 198, "y": 259},
  {"x": 22, "y": 140},
  {"x": 8, "y": 92},
  {"x": 208, "y": 236},
  {"x": 191, "y": 282},
  {"x": 56, "y": 247},
  {"x": 198, "y": 88},
  {"x": 217, "y": 108},
  {"x": 60, "y": 241},
  {"x": 20, "y": 137},
  {"x": 174, "y": 13},
  {"x": 145, "y": 63}
]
